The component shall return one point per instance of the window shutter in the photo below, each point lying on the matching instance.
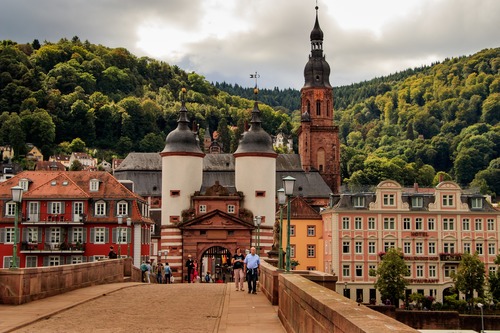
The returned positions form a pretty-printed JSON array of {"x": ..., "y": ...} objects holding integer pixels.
[
  {"x": 84, "y": 259},
  {"x": 70, "y": 233},
  {"x": 84, "y": 235},
  {"x": 47, "y": 236},
  {"x": 106, "y": 235},
  {"x": 46, "y": 261},
  {"x": 17, "y": 234},
  {"x": 49, "y": 209},
  {"x": 92, "y": 235},
  {"x": 2, "y": 235},
  {"x": 114, "y": 236},
  {"x": 129, "y": 235},
  {"x": 25, "y": 234},
  {"x": 39, "y": 239},
  {"x": 91, "y": 258},
  {"x": 63, "y": 207}
]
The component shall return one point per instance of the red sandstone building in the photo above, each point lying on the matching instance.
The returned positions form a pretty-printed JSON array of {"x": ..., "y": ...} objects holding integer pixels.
[
  {"x": 432, "y": 226},
  {"x": 71, "y": 217}
]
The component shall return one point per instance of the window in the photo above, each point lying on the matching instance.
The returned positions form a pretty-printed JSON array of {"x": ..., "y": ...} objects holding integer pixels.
[
  {"x": 78, "y": 211},
  {"x": 465, "y": 224},
  {"x": 408, "y": 269},
  {"x": 99, "y": 235},
  {"x": 449, "y": 247},
  {"x": 417, "y": 202},
  {"x": 175, "y": 193},
  {"x": 121, "y": 233},
  {"x": 311, "y": 231},
  {"x": 418, "y": 223},
  {"x": 76, "y": 259},
  {"x": 419, "y": 248},
  {"x": 371, "y": 223},
  {"x": 231, "y": 209},
  {"x": 100, "y": 208},
  {"x": 203, "y": 208},
  {"x": 491, "y": 248},
  {"x": 406, "y": 223},
  {"x": 311, "y": 268},
  {"x": 371, "y": 247},
  {"x": 492, "y": 270},
  {"x": 24, "y": 184},
  {"x": 372, "y": 267},
  {"x": 32, "y": 233},
  {"x": 358, "y": 247},
  {"x": 389, "y": 223},
  {"x": 122, "y": 208},
  {"x": 420, "y": 271},
  {"x": 448, "y": 270},
  {"x": 359, "y": 270},
  {"x": 389, "y": 245},
  {"x": 94, "y": 185},
  {"x": 318, "y": 108},
  {"x": 292, "y": 230},
  {"x": 31, "y": 261},
  {"x": 478, "y": 223},
  {"x": 260, "y": 194},
  {"x": 431, "y": 224},
  {"x": 479, "y": 248},
  {"x": 432, "y": 248},
  {"x": 359, "y": 202},
  {"x": 407, "y": 247},
  {"x": 432, "y": 271},
  {"x": 346, "y": 270},
  {"x": 448, "y": 224},
  {"x": 358, "y": 225},
  {"x": 477, "y": 203},
  {"x": 491, "y": 224},
  {"x": 9, "y": 236},
  {"x": 345, "y": 223},
  {"x": 466, "y": 247},
  {"x": 447, "y": 200},
  {"x": 55, "y": 235},
  {"x": 54, "y": 260},
  {"x": 10, "y": 209},
  {"x": 311, "y": 251},
  {"x": 292, "y": 250},
  {"x": 345, "y": 247},
  {"x": 55, "y": 208},
  {"x": 388, "y": 199},
  {"x": 77, "y": 235},
  {"x": 7, "y": 261}
]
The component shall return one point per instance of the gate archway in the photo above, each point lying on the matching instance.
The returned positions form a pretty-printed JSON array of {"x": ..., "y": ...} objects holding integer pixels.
[{"x": 217, "y": 261}]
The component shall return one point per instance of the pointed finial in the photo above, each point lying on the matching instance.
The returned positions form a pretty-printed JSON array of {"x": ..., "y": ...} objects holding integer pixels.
[
  {"x": 183, "y": 95},
  {"x": 255, "y": 76}
]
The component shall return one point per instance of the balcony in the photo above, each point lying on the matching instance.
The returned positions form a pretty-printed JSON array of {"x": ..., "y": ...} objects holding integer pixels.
[
  {"x": 52, "y": 248},
  {"x": 450, "y": 257},
  {"x": 54, "y": 219}
]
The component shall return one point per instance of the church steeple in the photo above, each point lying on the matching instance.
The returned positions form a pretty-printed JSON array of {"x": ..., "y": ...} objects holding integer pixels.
[{"x": 317, "y": 70}]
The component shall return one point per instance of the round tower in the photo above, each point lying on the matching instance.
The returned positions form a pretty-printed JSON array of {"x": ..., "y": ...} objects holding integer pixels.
[
  {"x": 255, "y": 175},
  {"x": 182, "y": 169}
]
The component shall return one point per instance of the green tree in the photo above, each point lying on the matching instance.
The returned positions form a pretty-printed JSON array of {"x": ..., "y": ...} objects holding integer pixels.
[
  {"x": 77, "y": 145},
  {"x": 391, "y": 276},
  {"x": 224, "y": 136},
  {"x": 76, "y": 166},
  {"x": 470, "y": 276}
]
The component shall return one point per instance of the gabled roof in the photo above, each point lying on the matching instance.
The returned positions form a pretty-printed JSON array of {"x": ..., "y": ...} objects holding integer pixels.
[
  {"x": 301, "y": 209},
  {"x": 216, "y": 220},
  {"x": 60, "y": 187}
]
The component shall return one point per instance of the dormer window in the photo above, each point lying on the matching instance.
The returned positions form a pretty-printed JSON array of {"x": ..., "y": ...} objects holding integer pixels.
[
  {"x": 417, "y": 202},
  {"x": 122, "y": 208},
  {"x": 477, "y": 203},
  {"x": 94, "y": 185},
  {"x": 447, "y": 200},
  {"x": 359, "y": 202},
  {"x": 24, "y": 184}
]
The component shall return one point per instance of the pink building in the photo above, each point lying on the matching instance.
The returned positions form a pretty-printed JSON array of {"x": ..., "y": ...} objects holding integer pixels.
[{"x": 433, "y": 227}]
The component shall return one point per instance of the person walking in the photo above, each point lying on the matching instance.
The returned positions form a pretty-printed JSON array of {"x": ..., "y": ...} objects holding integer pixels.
[
  {"x": 112, "y": 253},
  {"x": 251, "y": 267},
  {"x": 148, "y": 271},
  {"x": 190, "y": 267},
  {"x": 159, "y": 273},
  {"x": 239, "y": 276},
  {"x": 168, "y": 273}
]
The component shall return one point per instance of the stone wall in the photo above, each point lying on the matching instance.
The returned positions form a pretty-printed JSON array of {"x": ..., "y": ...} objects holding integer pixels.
[{"x": 18, "y": 286}]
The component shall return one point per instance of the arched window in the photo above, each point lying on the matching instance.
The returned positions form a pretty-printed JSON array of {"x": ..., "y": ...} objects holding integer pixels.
[
  {"x": 318, "y": 108},
  {"x": 328, "y": 108},
  {"x": 308, "y": 107}
]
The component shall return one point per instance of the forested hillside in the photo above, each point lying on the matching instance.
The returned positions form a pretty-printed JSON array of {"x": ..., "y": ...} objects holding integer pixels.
[{"x": 407, "y": 126}]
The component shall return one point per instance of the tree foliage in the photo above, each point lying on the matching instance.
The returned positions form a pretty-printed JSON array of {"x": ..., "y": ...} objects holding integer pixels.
[
  {"x": 391, "y": 276},
  {"x": 470, "y": 276}
]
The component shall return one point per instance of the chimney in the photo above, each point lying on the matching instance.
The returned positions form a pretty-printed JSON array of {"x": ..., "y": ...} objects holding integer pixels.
[
  {"x": 415, "y": 186},
  {"x": 441, "y": 177}
]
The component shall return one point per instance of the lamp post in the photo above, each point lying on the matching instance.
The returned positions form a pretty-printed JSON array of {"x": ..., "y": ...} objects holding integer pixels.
[
  {"x": 17, "y": 197},
  {"x": 288, "y": 183},
  {"x": 345, "y": 289},
  {"x": 120, "y": 221},
  {"x": 480, "y": 305},
  {"x": 258, "y": 220},
  {"x": 129, "y": 224},
  {"x": 281, "y": 202}
]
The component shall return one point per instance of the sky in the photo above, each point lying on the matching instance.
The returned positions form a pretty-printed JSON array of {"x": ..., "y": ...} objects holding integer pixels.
[{"x": 228, "y": 40}]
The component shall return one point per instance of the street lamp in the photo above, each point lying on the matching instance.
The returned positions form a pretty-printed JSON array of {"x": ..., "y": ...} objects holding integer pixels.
[
  {"x": 288, "y": 183},
  {"x": 120, "y": 221},
  {"x": 345, "y": 289},
  {"x": 281, "y": 202},
  {"x": 17, "y": 197},
  {"x": 258, "y": 219},
  {"x": 129, "y": 224},
  {"x": 480, "y": 305}
]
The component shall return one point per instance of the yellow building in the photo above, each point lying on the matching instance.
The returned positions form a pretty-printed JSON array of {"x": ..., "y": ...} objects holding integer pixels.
[{"x": 306, "y": 235}]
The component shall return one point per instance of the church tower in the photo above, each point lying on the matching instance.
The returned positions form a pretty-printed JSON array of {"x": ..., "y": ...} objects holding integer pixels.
[
  {"x": 255, "y": 177},
  {"x": 318, "y": 137}
]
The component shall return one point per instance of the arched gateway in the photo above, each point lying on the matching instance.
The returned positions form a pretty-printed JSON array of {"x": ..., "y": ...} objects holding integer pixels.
[{"x": 211, "y": 238}]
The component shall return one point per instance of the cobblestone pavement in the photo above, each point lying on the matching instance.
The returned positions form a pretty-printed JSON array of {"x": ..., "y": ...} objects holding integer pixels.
[{"x": 174, "y": 308}]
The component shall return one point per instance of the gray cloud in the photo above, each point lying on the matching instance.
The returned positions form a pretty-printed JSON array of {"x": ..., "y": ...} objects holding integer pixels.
[{"x": 277, "y": 42}]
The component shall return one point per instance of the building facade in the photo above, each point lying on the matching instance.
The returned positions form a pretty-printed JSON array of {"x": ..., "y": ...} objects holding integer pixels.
[
  {"x": 71, "y": 217},
  {"x": 432, "y": 227}
]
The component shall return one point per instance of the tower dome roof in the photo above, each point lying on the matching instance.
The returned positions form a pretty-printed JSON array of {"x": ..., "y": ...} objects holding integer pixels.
[{"x": 182, "y": 139}]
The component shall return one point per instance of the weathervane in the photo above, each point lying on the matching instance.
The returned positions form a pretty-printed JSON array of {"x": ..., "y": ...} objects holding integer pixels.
[{"x": 255, "y": 76}]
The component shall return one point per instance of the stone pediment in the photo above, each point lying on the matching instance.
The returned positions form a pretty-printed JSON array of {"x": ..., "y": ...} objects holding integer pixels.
[{"x": 216, "y": 220}]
